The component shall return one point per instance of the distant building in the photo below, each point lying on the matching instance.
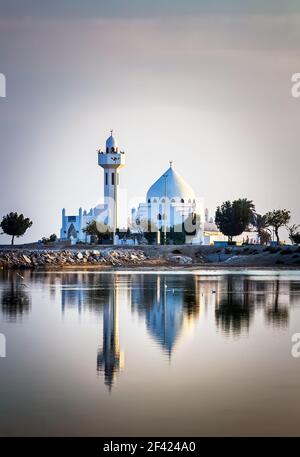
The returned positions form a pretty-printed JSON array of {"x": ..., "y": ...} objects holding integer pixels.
[{"x": 73, "y": 225}]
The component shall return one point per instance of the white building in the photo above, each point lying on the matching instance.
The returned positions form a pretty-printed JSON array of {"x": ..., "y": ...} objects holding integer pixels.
[
  {"x": 170, "y": 203},
  {"x": 111, "y": 160}
]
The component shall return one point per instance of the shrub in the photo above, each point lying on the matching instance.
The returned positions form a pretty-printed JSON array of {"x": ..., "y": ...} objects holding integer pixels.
[{"x": 286, "y": 252}]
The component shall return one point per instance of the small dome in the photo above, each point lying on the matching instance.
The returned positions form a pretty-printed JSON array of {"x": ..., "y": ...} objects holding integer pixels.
[
  {"x": 111, "y": 142},
  {"x": 173, "y": 185}
]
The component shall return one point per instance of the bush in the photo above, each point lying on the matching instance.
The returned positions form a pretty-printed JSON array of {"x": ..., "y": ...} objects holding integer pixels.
[
  {"x": 296, "y": 238},
  {"x": 52, "y": 238},
  {"x": 286, "y": 252},
  {"x": 274, "y": 249}
]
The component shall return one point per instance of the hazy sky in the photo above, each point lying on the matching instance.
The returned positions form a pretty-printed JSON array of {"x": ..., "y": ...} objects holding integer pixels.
[{"x": 206, "y": 84}]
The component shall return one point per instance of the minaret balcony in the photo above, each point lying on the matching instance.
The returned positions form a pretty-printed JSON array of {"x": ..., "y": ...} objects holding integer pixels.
[{"x": 111, "y": 159}]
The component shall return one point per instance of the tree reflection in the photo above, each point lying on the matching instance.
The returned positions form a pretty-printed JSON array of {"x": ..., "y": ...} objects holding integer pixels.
[
  {"x": 277, "y": 314},
  {"x": 15, "y": 301},
  {"x": 234, "y": 307}
]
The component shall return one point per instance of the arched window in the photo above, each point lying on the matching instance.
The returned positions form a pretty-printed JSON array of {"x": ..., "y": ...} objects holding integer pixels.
[
  {"x": 163, "y": 200},
  {"x": 159, "y": 217},
  {"x": 154, "y": 201},
  {"x": 182, "y": 200},
  {"x": 190, "y": 201},
  {"x": 173, "y": 200},
  {"x": 149, "y": 201}
]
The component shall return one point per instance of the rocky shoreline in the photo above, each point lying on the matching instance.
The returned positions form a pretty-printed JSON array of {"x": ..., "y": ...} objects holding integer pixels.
[
  {"x": 151, "y": 257},
  {"x": 50, "y": 258}
]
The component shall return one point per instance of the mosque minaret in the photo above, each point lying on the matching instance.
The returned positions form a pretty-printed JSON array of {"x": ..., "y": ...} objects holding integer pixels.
[{"x": 112, "y": 160}]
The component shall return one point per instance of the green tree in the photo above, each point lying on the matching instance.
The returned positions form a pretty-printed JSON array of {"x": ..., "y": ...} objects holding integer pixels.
[
  {"x": 294, "y": 234},
  {"x": 278, "y": 218},
  {"x": 52, "y": 238},
  {"x": 261, "y": 225},
  {"x": 15, "y": 225},
  {"x": 99, "y": 231},
  {"x": 233, "y": 218}
]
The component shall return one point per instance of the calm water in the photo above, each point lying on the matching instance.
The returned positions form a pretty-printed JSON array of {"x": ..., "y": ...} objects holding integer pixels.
[{"x": 146, "y": 354}]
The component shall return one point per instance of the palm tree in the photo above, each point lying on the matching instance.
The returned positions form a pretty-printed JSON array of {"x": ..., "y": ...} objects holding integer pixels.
[{"x": 261, "y": 225}]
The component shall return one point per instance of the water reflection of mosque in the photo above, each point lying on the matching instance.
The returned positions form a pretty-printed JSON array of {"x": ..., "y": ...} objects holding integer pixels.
[
  {"x": 170, "y": 305},
  {"x": 109, "y": 359}
]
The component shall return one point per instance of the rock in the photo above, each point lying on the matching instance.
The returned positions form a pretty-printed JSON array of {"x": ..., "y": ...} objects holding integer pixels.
[
  {"x": 181, "y": 259},
  {"x": 27, "y": 259}
]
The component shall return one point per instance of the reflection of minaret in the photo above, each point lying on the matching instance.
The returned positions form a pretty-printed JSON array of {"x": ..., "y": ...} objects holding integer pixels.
[{"x": 110, "y": 359}]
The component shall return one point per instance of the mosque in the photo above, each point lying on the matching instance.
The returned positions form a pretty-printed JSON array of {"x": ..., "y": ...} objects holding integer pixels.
[{"x": 170, "y": 204}]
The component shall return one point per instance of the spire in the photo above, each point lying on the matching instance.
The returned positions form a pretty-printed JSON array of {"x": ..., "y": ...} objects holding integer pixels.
[{"x": 171, "y": 163}]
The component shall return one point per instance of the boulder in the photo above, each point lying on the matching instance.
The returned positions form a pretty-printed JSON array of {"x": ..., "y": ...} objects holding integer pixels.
[{"x": 181, "y": 259}]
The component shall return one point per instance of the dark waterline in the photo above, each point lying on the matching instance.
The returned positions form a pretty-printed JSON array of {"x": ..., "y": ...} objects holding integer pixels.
[{"x": 95, "y": 354}]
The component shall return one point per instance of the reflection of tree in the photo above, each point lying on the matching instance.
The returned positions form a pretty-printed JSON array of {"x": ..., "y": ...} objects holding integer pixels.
[
  {"x": 234, "y": 309},
  {"x": 277, "y": 315},
  {"x": 294, "y": 292},
  {"x": 15, "y": 301},
  {"x": 190, "y": 297}
]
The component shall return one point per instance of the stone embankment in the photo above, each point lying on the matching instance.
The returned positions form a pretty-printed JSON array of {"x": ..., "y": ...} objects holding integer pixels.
[
  {"x": 48, "y": 258},
  {"x": 152, "y": 257}
]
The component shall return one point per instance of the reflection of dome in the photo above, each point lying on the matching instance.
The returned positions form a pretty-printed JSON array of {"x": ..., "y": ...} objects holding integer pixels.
[
  {"x": 111, "y": 142},
  {"x": 174, "y": 186}
]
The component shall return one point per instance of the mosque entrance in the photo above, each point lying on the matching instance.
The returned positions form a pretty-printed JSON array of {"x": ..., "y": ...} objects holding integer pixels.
[{"x": 72, "y": 232}]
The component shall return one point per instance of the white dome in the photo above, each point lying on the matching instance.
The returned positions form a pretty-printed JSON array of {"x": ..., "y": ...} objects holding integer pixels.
[
  {"x": 174, "y": 186},
  {"x": 112, "y": 142}
]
